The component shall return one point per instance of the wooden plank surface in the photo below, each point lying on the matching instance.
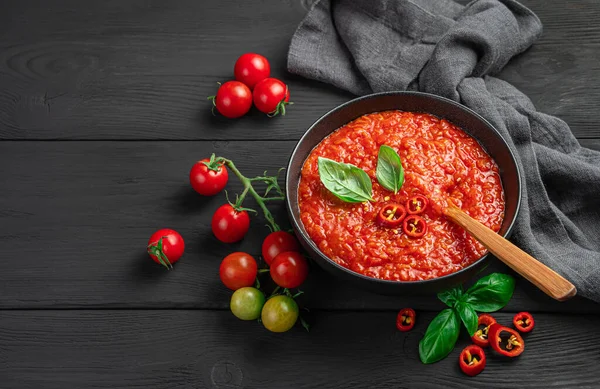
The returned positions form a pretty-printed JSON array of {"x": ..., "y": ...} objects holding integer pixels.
[
  {"x": 77, "y": 215},
  {"x": 211, "y": 349},
  {"x": 142, "y": 69}
]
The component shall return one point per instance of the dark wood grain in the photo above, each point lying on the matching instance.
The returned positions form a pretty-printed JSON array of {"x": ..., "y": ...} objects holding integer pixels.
[
  {"x": 142, "y": 69},
  {"x": 207, "y": 349},
  {"x": 77, "y": 215}
]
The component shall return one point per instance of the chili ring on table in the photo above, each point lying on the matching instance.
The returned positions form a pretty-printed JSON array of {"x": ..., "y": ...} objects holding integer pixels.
[
  {"x": 406, "y": 319},
  {"x": 523, "y": 321},
  {"x": 480, "y": 337},
  {"x": 505, "y": 341},
  {"x": 472, "y": 360}
]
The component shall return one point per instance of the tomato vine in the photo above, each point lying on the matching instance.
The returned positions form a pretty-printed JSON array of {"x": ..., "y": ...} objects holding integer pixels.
[{"x": 272, "y": 187}]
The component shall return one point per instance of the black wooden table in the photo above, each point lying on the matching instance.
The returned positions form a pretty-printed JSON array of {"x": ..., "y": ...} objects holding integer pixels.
[{"x": 103, "y": 111}]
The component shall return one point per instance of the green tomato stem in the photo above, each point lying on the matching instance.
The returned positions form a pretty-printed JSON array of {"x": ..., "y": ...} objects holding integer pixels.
[{"x": 248, "y": 188}]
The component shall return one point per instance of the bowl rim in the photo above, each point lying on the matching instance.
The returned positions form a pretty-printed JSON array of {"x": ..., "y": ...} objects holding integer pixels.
[{"x": 296, "y": 224}]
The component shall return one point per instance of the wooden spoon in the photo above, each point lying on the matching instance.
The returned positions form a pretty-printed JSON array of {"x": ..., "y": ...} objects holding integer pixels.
[{"x": 550, "y": 282}]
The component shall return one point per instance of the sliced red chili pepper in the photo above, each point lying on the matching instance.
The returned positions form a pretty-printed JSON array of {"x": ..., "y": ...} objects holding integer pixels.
[
  {"x": 472, "y": 360},
  {"x": 484, "y": 322},
  {"x": 391, "y": 215},
  {"x": 406, "y": 319},
  {"x": 505, "y": 341},
  {"x": 416, "y": 204},
  {"x": 414, "y": 226},
  {"x": 523, "y": 321}
]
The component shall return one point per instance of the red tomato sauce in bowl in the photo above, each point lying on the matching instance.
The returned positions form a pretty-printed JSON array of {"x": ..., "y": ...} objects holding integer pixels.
[{"x": 441, "y": 162}]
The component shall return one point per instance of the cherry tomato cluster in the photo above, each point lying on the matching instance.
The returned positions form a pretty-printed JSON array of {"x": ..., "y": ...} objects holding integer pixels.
[
  {"x": 288, "y": 269},
  {"x": 252, "y": 84},
  {"x": 503, "y": 340},
  {"x": 393, "y": 215},
  {"x": 239, "y": 271}
]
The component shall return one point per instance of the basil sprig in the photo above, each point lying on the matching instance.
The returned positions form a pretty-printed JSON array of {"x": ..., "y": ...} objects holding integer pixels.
[
  {"x": 489, "y": 294},
  {"x": 347, "y": 182},
  {"x": 390, "y": 173}
]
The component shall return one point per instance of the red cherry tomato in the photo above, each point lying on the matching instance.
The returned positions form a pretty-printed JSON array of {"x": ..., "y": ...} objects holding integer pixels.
[
  {"x": 238, "y": 270},
  {"x": 233, "y": 99},
  {"x": 208, "y": 177},
  {"x": 250, "y": 68},
  {"x": 271, "y": 96},
  {"x": 166, "y": 246},
  {"x": 229, "y": 225},
  {"x": 289, "y": 269},
  {"x": 278, "y": 242}
]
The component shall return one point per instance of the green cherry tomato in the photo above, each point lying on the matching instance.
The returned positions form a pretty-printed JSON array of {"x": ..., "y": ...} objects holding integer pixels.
[
  {"x": 247, "y": 303},
  {"x": 279, "y": 313}
]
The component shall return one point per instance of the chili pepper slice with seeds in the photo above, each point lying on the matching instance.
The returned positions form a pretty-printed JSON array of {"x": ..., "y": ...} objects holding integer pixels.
[
  {"x": 391, "y": 215},
  {"x": 523, "y": 321},
  {"x": 406, "y": 319},
  {"x": 472, "y": 360},
  {"x": 505, "y": 341},
  {"x": 414, "y": 226},
  {"x": 416, "y": 204},
  {"x": 484, "y": 322}
]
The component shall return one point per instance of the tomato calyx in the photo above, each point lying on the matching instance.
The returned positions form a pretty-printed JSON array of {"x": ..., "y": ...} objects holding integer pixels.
[
  {"x": 156, "y": 249},
  {"x": 280, "y": 109},
  {"x": 416, "y": 205},
  {"x": 272, "y": 186},
  {"x": 214, "y": 163},
  {"x": 523, "y": 321},
  {"x": 472, "y": 360},
  {"x": 391, "y": 215},
  {"x": 406, "y": 319},
  {"x": 414, "y": 226}
]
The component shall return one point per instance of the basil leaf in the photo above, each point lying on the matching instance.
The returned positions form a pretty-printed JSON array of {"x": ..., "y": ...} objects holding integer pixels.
[
  {"x": 451, "y": 296},
  {"x": 347, "y": 182},
  {"x": 390, "y": 173},
  {"x": 491, "y": 292},
  {"x": 468, "y": 316},
  {"x": 440, "y": 338}
]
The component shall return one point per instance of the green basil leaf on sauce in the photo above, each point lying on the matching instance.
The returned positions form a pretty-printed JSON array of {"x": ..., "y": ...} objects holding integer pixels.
[
  {"x": 440, "y": 338},
  {"x": 491, "y": 292},
  {"x": 347, "y": 182},
  {"x": 468, "y": 316},
  {"x": 390, "y": 173}
]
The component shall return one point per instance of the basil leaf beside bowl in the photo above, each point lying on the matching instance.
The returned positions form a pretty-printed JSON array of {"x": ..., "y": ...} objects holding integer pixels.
[
  {"x": 468, "y": 316},
  {"x": 491, "y": 292},
  {"x": 451, "y": 296},
  {"x": 390, "y": 173},
  {"x": 347, "y": 182},
  {"x": 440, "y": 338}
]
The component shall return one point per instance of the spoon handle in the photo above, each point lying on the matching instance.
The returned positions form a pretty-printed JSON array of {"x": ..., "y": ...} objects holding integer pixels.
[{"x": 550, "y": 282}]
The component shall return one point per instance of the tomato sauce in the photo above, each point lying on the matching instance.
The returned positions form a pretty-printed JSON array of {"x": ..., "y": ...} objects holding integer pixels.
[{"x": 440, "y": 162}]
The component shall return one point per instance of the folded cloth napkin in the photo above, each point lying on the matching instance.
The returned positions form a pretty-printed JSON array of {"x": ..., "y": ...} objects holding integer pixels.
[{"x": 447, "y": 49}]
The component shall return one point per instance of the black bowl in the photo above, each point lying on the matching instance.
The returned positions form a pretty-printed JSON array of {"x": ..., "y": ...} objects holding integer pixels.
[{"x": 466, "y": 119}]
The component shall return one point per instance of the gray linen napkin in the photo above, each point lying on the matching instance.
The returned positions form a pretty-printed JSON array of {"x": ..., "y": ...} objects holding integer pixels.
[{"x": 444, "y": 48}]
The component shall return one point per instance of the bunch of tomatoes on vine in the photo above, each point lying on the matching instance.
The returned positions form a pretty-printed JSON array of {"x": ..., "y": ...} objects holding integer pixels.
[{"x": 288, "y": 268}]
